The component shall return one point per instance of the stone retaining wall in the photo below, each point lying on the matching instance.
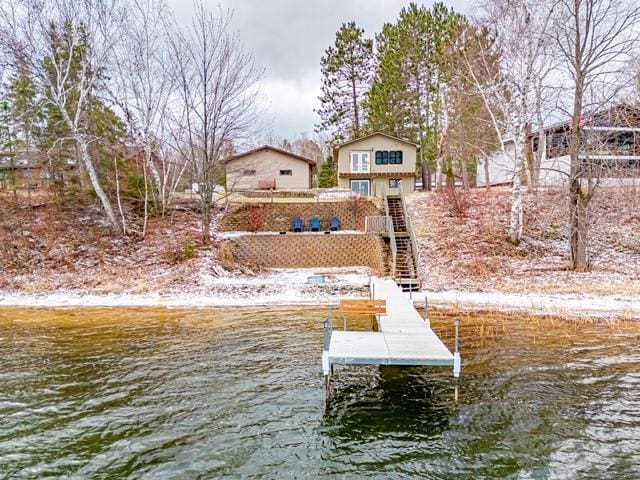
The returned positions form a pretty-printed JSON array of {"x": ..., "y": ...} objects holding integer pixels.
[
  {"x": 309, "y": 250},
  {"x": 278, "y": 217}
]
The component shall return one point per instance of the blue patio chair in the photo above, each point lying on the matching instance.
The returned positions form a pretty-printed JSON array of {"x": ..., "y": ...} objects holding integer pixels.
[
  {"x": 334, "y": 224},
  {"x": 298, "y": 226},
  {"x": 314, "y": 224}
]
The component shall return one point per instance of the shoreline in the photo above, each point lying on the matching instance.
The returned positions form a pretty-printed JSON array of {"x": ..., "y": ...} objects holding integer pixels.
[{"x": 455, "y": 301}]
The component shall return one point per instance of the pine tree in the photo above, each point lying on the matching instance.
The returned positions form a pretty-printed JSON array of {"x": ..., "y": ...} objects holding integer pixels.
[
  {"x": 347, "y": 69},
  {"x": 328, "y": 175},
  {"x": 405, "y": 95},
  {"x": 98, "y": 121}
]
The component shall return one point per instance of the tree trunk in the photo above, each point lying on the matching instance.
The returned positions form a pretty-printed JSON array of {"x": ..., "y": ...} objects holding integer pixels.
[
  {"x": 82, "y": 172},
  {"x": 426, "y": 176},
  {"x": 95, "y": 183},
  {"x": 577, "y": 199},
  {"x": 159, "y": 190},
  {"x": 578, "y": 229},
  {"x": 465, "y": 175},
  {"x": 439, "y": 167},
  {"x": 206, "y": 224},
  {"x": 487, "y": 178},
  {"x": 528, "y": 155},
  {"x": 515, "y": 221},
  {"x": 356, "y": 114}
]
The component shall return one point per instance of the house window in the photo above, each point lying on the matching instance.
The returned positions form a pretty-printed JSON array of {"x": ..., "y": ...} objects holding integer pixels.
[
  {"x": 359, "y": 162},
  {"x": 286, "y": 172},
  {"x": 361, "y": 186},
  {"x": 249, "y": 173},
  {"x": 394, "y": 182},
  {"x": 384, "y": 157}
]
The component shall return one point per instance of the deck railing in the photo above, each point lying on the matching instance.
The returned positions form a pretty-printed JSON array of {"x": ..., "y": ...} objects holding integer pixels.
[
  {"x": 409, "y": 223},
  {"x": 392, "y": 236}
]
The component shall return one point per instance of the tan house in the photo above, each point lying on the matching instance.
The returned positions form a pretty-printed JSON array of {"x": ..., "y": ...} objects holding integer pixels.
[
  {"x": 268, "y": 167},
  {"x": 374, "y": 164}
]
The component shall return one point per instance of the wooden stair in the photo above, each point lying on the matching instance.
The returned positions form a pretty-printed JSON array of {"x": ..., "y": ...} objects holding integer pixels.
[{"x": 406, "y": 275}]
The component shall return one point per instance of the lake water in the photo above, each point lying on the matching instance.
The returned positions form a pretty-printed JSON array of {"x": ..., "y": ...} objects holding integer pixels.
[{"x": 170, "y": 394}]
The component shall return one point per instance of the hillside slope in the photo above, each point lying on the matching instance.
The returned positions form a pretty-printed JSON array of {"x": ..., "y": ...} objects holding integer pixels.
[{"x": 466, "y": 248}]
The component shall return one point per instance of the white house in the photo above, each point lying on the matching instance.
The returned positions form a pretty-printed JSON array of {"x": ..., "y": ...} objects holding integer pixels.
[{"x": 611, "y": 151}]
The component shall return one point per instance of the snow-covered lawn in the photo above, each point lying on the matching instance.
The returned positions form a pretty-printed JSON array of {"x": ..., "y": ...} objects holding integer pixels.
[
  {"x": 278, "y": 287},
  {"x": 471, "y": 253},
  {"x": 534, "y": 304}
]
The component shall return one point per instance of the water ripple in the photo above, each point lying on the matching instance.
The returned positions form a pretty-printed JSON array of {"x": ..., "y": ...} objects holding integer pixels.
[{"x": 155, "y": 394}]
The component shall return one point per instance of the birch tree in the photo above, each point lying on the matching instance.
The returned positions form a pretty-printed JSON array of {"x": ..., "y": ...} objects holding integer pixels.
[
  {"x": 519, "y": 31},
  {"x": 143, "y": 87},
  {"x": 51, "y": 38},
  {"x": 597, "y": 40},
  {"x": 217, "y": 99}
]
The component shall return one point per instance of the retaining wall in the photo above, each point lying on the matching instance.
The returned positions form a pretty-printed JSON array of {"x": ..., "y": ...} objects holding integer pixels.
[
  {"x": 309, "y": 250},
  {"x": 278, "y": 217}
]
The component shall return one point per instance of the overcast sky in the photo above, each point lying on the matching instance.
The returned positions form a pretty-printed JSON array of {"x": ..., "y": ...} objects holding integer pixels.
[{"x": 288, "y": 38}]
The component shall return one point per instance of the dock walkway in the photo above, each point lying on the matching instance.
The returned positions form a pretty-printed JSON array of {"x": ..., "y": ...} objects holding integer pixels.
[{"x": 403, "y": 337}]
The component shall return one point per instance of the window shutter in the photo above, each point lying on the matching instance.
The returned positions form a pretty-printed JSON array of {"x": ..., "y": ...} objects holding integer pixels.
[{"x": 378, "y": 158}]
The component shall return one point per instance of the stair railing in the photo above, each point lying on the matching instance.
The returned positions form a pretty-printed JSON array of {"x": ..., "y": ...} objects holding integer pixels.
[
  {"x": 392, "y": 235},
  {"x": 409, "y": 224}
]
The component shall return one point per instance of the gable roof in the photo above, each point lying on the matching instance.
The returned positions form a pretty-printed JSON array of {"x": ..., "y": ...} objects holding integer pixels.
[
  {"x": 273, "y": 149},
  {"x": 377, "y": 133}
]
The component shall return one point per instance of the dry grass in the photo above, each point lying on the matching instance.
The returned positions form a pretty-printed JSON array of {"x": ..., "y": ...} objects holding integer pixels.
[
  {"x": 471, "y": 252},
  {"x": 54, "y": 247}
]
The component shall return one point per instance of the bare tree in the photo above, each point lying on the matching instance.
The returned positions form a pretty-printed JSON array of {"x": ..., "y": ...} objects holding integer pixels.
[
  {"x": 519, "y": 32},
  {"x": 596, "y": 39},
  {"x": 143, "y": 87},
  {"x": 66, "y": 44},
  {"x": 216, "y": 99}
]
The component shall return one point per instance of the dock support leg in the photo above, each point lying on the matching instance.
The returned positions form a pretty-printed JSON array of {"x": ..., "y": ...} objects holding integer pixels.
[
  {"x": 456, "y": 358},
  {"x": 327, "y": 368},
  {"x": 426, "y": 310},
  {"x": 456, "y": 349}
]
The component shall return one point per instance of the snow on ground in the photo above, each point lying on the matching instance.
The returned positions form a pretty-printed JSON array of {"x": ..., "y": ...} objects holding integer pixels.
[
  {"x": 471, "y": 252},
  {"x": 278, "y": 287},
  {"x": 284, "y": 287},
  {"x": 534, "y": 304}
]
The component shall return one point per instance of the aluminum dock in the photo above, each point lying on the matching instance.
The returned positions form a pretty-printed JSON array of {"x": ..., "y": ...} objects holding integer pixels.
[{"x": 403, "y": 337}]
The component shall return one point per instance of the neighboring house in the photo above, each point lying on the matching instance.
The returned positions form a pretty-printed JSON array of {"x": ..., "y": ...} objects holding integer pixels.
[
  {"x": 611, "y": 151},
  {"x": 268, "y": 167},
  {"x": 374, "y": 164}
]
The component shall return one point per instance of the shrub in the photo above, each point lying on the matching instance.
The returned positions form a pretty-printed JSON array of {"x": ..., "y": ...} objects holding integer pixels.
[
  {"x": 225, "y": 256},
  {"x": 458, "y": 201},
  {"x": 257, "y": 217},
  {"x": 188, "y": 250}
]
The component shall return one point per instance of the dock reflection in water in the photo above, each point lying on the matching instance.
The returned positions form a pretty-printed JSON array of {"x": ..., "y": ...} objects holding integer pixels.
[{"x": 215, "y": 394}]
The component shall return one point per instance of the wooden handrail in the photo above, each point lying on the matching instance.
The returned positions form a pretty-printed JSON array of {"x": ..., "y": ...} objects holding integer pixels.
[
  {"x": 409, "y": 223},
  {"x": 392, "y": 235}
]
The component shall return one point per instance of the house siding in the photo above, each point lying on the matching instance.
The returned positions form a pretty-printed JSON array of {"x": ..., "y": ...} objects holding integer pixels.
[
  {"x": 405, "y": 171},
  {"x": 267, "y": 165}
]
